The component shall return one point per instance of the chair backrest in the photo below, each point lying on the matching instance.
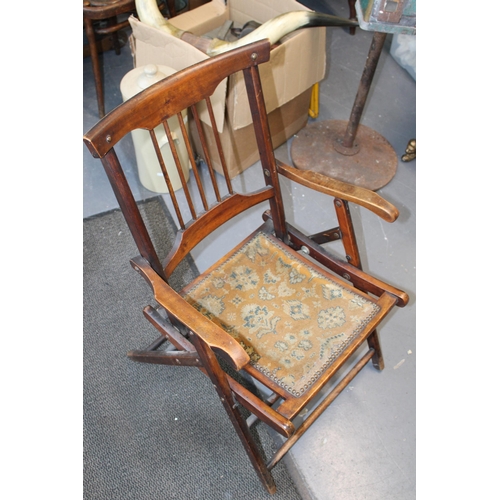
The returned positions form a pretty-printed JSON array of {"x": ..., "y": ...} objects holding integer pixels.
[
  {"x": 210, "y": 204},
  {"x": 188, "y": 90}
]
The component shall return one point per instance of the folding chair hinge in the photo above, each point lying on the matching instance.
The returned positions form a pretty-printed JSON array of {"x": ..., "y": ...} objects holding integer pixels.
[{"x": 327, "y": 236}]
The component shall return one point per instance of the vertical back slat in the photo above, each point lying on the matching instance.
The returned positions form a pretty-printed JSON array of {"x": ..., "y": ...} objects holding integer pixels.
[
  {"x": 175, "y": 154},
  {"x": 156, "y": 106},
  {"x": 204, "y": 146},
  {"x": 167, "y": 178},
  {"x": 173, "y": 149},
  {"x": 219, "y": 145},
  {"x": 192, "y": 160}
]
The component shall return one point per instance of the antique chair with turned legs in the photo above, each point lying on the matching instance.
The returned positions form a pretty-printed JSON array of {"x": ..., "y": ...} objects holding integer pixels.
[
  {"x": 101, "y": 18},
  {"x": 278, "y": 308}
]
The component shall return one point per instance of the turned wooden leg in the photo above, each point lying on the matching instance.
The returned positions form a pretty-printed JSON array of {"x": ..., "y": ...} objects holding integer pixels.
[{"x": 96, "y": 68}]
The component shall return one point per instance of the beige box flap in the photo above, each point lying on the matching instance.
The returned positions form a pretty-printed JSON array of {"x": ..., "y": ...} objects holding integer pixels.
[
  {"x": 296, "y": 64},
  {"x": 261, "y": 11},
  {"x": 203, "y": 19},
  {"x": 153, "y": 46},
  {"x": 294, "y": 67}
]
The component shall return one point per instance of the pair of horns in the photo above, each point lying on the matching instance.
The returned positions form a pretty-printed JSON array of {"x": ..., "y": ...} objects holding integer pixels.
[{"x": 274, "y": 29}]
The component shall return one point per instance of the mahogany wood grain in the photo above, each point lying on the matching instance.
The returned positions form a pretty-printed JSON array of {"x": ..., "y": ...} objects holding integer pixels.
[
  {"x": 293, "y": 406},
  {"x": 326, "y": 236},
  {"x": 176, "y": 358},
  {"x": 193, "y": 164},
  {"x": 352, "y": 255},
  {"x": 130, "y": 210},
  {"x": 223, "y": 388},
  {"x": 359, "y": 195},
  {"x": 213, "y": 335},
  {"x": 347, "y": 232},
  {"x": 208, "y": 159},
  {"x": 197, "y": 341},
  {"x": 100, "y": 18},
  {"x": 322, "y": 406},
  {"x": 170, "y": 96},
  {"x": 360, "y": 279},
  {"x": 265, "y": 146},
  {"x": 230, "y": 207},
  {"x": 167, "y": 330}
]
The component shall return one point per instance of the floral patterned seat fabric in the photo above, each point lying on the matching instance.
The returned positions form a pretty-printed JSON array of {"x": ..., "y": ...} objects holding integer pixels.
[{"x": 292, "y": 319}]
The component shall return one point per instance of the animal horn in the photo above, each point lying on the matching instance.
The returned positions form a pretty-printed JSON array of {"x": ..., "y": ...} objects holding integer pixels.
[
  {"x": 150, "y": 14},
  {"x": 274, "y": 29}
]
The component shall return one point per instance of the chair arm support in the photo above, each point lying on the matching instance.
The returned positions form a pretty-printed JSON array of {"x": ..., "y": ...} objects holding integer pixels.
[
  {"x": 332, "y": 187},
  {"x": 214, "y": 336},
  {"x": 360, "y": 279}
]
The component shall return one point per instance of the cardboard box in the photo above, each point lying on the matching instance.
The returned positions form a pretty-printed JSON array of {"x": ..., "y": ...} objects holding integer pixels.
[{"x": 296, "y": 64}]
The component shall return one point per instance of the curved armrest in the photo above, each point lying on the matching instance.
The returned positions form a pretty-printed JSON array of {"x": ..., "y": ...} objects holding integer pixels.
[
  {"x": 332, "y": 187},
  {"x": 178, "y": 308}
]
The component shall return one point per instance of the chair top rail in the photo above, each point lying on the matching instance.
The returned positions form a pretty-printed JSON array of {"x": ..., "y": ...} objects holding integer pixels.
[{"x": 186, "y": 87}]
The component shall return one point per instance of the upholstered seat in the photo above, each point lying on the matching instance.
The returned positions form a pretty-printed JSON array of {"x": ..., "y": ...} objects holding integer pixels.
[
  {"x": 279, "y": 307},
  {"x": 292, "y": 318}
]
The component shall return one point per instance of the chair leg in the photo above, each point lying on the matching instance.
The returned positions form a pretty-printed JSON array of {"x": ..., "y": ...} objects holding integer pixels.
[
  {"x": 318, "y": 411},
  {"x": 219, "y": 380},
  {"x": 374, "y": 343},
  {"x": 96, "y": 68},
  {"x": 352, "y": 15},
  {"x": 347, "y": 232},
  {"x": 116, "y": 41},
  {"x": 352, "y": 255},
  {"x": 171, "y": 8}
]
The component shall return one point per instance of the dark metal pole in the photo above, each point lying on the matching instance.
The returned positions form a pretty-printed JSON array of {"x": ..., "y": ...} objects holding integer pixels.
[{"x": 363, "y": 89}]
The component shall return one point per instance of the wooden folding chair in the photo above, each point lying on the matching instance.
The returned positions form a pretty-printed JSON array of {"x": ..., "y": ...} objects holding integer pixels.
[{"x": 279, "y": 307}]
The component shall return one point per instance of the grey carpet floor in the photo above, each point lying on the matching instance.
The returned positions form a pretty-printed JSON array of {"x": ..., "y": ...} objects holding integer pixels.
[{"x": 150, "y": 432}]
